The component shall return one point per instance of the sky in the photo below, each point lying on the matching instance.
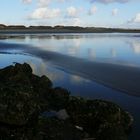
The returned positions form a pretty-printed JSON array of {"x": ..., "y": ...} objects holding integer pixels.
[{"x": 86, "y": 13}]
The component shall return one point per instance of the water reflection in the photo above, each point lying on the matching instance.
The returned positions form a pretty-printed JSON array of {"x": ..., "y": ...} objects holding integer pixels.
[
  {"x": 104, "y": 47},
  {"x": 136, "y": 47},
  {"x": 76, "y": 58},
  {"x": 113, "y": 52},
  {"x": 77, "y": 79},
  {"x": 45, "y": 68},
  {"x": 91, "y": 54},
  {"x": 65, "y": 60}
]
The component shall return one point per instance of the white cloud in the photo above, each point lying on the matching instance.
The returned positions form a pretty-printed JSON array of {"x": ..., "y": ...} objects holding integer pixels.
[
  {"x": 26, "y": 1},
  {"x": 110, "y": 1},
  {"x": 115, "y": 12},
  {"x": 43, "y": 3},
  {"x": 93, "y": 10},
  {"x": 72, "y": 12},
  {"x": 137, "y": 18},
  {"x": 44, "y": 12}
]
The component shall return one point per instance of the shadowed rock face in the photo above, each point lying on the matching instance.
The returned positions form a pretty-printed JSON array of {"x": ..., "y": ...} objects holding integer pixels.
[
  {"x": 25, "y": 96},
  {"x": 18, "y": 94},
  {"x": 100, "y": 119}
]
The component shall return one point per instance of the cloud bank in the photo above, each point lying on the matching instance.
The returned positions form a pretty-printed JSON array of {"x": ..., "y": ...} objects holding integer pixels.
[{"x": 44, "y": 13}]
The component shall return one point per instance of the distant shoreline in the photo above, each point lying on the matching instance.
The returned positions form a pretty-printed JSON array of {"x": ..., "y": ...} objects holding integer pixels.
[{"x": 62, "y": 29}]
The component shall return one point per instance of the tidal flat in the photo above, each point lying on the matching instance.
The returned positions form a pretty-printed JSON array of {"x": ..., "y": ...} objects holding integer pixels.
[{"x": 93, "y": 66}]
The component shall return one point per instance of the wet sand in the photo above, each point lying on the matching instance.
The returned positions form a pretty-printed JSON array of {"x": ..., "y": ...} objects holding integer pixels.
[{"x": 117, "y": 76}]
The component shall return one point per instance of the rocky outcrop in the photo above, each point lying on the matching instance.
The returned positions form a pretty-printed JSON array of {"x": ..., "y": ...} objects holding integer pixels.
[
  {"x": 100, "y": 119},
  {"x": 30, "y": 108}
]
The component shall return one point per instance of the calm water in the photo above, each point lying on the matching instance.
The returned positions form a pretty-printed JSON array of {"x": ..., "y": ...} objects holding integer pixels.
[{"x": 39, "y": 50}]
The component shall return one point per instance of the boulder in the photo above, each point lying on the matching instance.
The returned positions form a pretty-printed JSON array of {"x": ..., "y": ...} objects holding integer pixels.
[
  {"x": 100, "y": 119},
  {"x": 59, "y": 98},
  {"x": 55, "y": 129},
  {"x": 17, "y": 98},
  {"x": 61, "y": 114},
  {"x": 30, "y": 108}
]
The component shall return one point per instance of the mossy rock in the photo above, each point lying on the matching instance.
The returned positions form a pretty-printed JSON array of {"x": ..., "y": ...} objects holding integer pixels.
[
  {"x": 99, "y": 118},
  {"x": 54, "y": 129},
  {"x": 24, "y": 96},
  {"x": 18, "y": 100}
]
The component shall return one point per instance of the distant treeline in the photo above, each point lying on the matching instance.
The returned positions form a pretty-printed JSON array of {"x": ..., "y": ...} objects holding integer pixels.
[{"x": 62, "y": 29}]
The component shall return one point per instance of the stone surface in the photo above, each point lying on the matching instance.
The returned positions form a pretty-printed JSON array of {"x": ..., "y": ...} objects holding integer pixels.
[
  {"x": 62, "y": 114},
  {"x": 24, "y": 97},
  {"x": 100, "y": 119},
  {"x": 17, "y": 99}
]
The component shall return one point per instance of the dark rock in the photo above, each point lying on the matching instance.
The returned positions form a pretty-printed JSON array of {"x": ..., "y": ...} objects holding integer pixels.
[
  {"x": 54, "y": 129},
  {"x": 23, "y": 68},
  {"x": 59, "y": 98},
  {"x": 100, "y": 119},
  {"x": 61, "y": 114},
  {"x": 44, "y": 82},
  {"x": 17, "y": 98},
  {"x": 24, "y": 96}
]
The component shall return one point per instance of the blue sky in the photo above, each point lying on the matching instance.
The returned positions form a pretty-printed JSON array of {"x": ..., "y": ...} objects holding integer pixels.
[{"x": 105, "y": 13}]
